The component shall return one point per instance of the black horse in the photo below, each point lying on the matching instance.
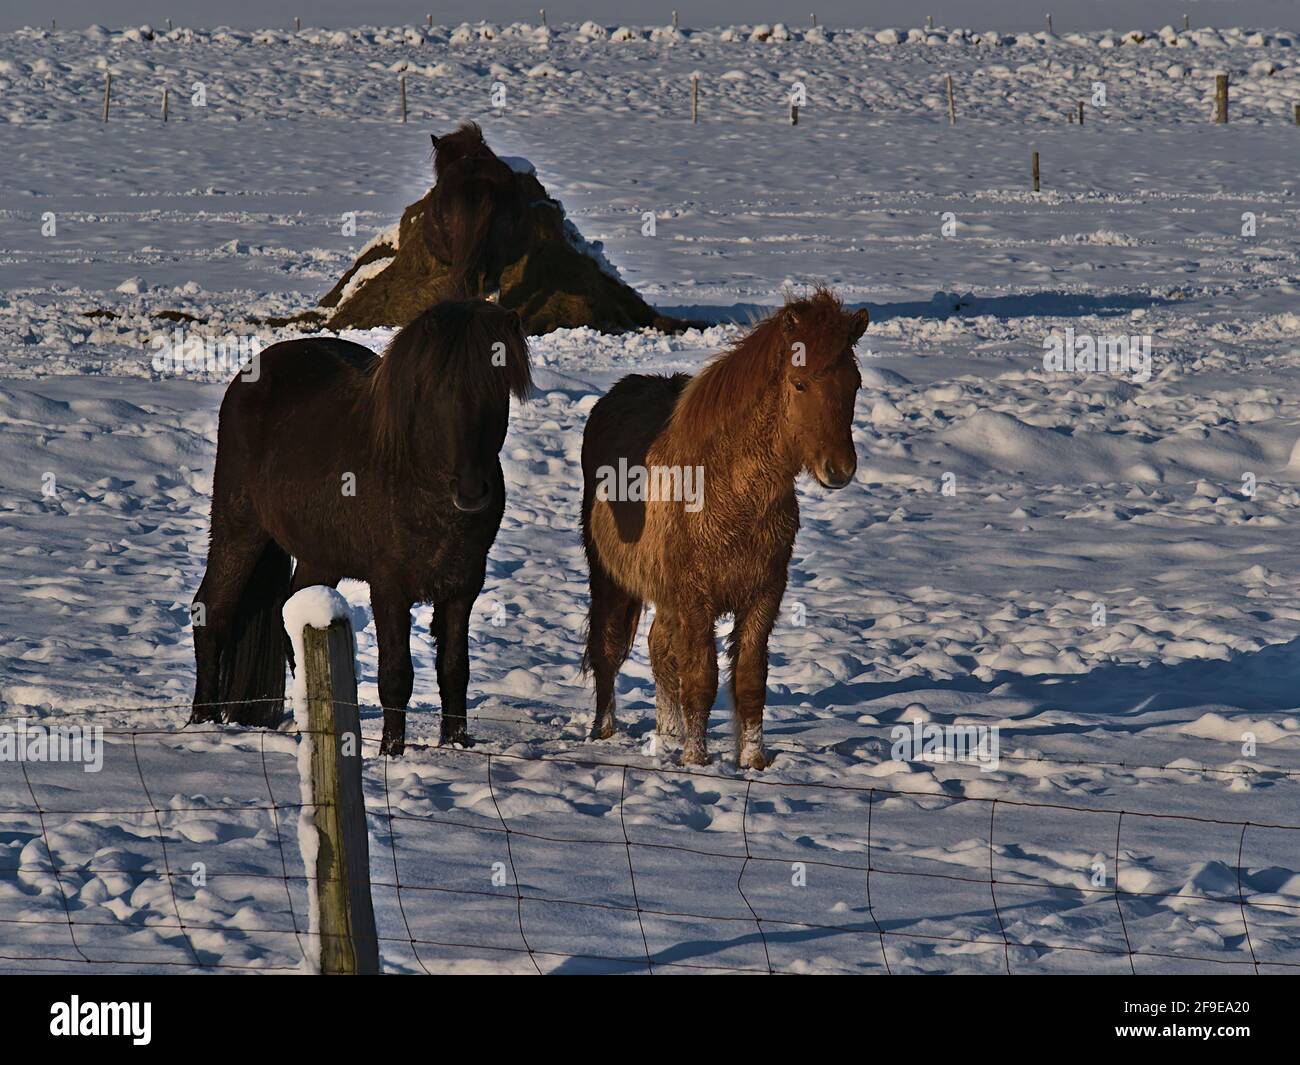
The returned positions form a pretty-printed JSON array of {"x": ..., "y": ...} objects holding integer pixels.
[
  {"x": 385, "y": 470},
  {"x": 477, "y": 223}
]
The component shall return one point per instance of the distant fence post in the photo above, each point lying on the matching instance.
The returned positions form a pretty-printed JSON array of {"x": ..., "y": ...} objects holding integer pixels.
[
  {"x": 402, "y": 86},
  {"x": 108, "y": 91},
  {"x": 1035, "y": 171},
  {"x": 349, "y": 943},
  {"x": 952, "y": 104},
  {"x": 1221, "y": 98},
  {"x": 695, "y": 100}
]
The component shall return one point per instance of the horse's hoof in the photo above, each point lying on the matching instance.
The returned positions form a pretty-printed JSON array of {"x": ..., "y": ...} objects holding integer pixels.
[
  {"x": 458, "y": 737},
  {"x": 601, "y": 730},
  {"x": 695, "y": 754},
  {"x": 753, "y": 758},
  {"x": 392, "y": 746}
]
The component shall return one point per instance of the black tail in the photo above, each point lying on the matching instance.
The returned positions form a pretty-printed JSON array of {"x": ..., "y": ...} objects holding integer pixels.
[{"x": 253, "y": 660}]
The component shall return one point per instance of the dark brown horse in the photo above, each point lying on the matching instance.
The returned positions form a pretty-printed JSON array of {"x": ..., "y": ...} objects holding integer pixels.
[
  {"x": 689, "y": 504},
  {"x": 385, "y": 470},
  {"x": 478, "y": 218}
]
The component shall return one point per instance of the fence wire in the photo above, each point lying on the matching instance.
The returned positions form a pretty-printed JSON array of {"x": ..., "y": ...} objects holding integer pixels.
[{"x": 410, "y": 897}]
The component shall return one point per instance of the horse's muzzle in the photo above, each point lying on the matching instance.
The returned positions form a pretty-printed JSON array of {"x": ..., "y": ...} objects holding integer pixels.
[
  {"x": 829, "y": 477},
  {"x": 471, "y": 504}
]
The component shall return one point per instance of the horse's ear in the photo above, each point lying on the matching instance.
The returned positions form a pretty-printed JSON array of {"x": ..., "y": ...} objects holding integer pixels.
[
  {"x": 790, "y": 321},
  {"x": 434, "y": 137},
  {"x": 860, "y": 319}
]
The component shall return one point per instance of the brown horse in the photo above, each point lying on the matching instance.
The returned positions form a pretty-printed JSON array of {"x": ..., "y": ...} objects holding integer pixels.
[
  {"x": 478, "y": 218},
  {"x": 689, "y": 504},
  {"x": 385, "y": 470}
]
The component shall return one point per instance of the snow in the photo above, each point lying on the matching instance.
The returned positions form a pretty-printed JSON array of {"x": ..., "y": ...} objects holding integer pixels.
[{"x": 997, "y": 505}]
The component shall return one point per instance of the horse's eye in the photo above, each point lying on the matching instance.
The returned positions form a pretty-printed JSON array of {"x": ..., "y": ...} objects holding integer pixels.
[{"x": 799, "y": 386}]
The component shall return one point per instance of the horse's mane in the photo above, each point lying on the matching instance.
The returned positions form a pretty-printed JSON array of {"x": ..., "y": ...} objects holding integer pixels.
[
  {"x": 465, "y": 143},
  {"x": 732, "y": 383},
  {"x": 451, "y": 348}
]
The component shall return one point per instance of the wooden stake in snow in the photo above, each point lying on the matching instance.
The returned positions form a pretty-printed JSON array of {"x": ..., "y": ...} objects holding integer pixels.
[
  {"x": 1035, "y": 167},
  {"x": 814, "y": 18},
  {"x": 1081, "y": 112},
  {"x": 542, "y": 12},
  {"x": 108, "y": 91},
  {"x": 929, "y": 22},
  {"x": 401, "y": 83},
  {"x": 169, "y": 25},
  {"x": 695, "y": 99},
  {"x": 166, "y": 95},
  {"x": 1049, "y": 22},
  {"x": 1297, "y": 114},
  {"x": 1221, "y": 98},
  {"x": 297, "y": 23},
  {"x": 952, "y": 104},
  {"x": 428, "y": 21},
  {"x": 1187, "y": 22},
  {"x": 794, "y": 114},
  {"x": 349, "y": 943},
  {"x": 674, "y": 20}
]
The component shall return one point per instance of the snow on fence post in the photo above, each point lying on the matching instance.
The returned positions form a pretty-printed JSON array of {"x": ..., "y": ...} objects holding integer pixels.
[
  {"x": 1035, "y": 169},
  {"x": 1220, "y": 98},
  {"x": 401, "y": 83},
  {"x": 952, "y": 104},
  {"x": 108, "y": 91},
  {"x": 334, "y": 839}
]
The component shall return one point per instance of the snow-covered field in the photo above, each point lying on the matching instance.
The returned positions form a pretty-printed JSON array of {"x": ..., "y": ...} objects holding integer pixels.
[{"x": 1098, "y": 564}]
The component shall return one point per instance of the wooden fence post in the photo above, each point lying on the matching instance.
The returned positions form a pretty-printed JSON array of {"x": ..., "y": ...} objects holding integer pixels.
[
  {"x": 952, "y": 104},
  {"x": 1081, "y": 112},
  {"x": 166, "y": 100},
  {"x": 1221, "y": 98},
  {"x": 349, "y": 943},
  {"x": 402, "y": 84},
  {"x": 1035, "y": 169},
  {"x": 108, "y": 91},
  {"x": 695, "y": 100}
]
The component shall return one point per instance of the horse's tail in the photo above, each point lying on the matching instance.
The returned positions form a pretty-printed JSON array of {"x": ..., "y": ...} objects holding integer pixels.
[
  {"x": 612, "y": 615},
  {"x": 254, "y": 657}
]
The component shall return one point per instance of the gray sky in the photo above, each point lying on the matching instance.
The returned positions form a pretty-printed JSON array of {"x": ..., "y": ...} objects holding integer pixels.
[{"x": 972, "y": 14}]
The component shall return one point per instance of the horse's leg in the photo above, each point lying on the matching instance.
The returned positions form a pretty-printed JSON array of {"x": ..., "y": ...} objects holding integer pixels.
[
  {"x": 668, "y": 706},
  {"x": 396, "y": 675},
  {"x": 611, "y": 629},
  {"x": 749, "y": 638},
  {"x": 232, "y": 557},
  {"x": 696, "y": 654},
  {"x": 451, "y": 635}
]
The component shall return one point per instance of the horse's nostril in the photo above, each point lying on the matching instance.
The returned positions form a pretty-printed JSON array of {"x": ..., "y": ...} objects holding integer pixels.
[{"x": 471, "y": 502}]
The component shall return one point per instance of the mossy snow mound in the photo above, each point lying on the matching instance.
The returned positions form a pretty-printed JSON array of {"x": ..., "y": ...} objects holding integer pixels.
[{"x": 559, "y": 282}]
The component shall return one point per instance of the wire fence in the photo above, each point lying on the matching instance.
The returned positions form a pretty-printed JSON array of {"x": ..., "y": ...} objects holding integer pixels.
[{"x": 650, "y": 869}]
